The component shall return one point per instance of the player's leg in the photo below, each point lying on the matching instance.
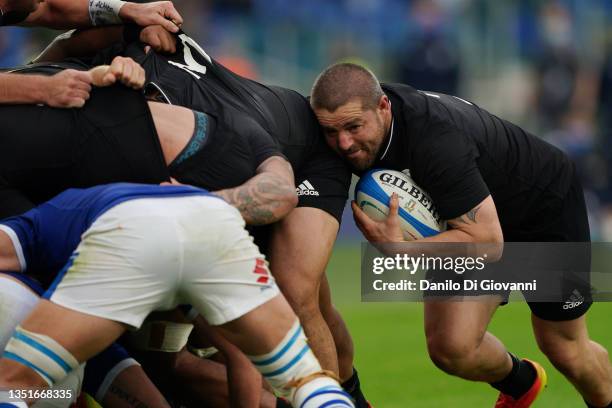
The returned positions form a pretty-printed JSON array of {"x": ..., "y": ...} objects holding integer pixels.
[
  {"x": 344, "y": 345},
  {"x": 243, "y": 380},
  {"x": 40, "y": 354},
  {"x": 585, "y": 363},
  {"x": 19, "y": 297},
  {"x": 273, "y": 338},
  {"x": 18, "y": 300},
  {"x": 458, "y": 341},
  {"x": 116, "y": 380},
  {"x": 227, "y": 280},
  {"x": 87, "y": 311},
  {"x": 339, "y": 331},
  {"x": 560, "y": 328},
  {"x": 308, "y": 235}
]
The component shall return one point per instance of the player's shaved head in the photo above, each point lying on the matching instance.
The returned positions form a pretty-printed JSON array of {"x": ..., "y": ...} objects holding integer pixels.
[{"x": 343, "y": 82}]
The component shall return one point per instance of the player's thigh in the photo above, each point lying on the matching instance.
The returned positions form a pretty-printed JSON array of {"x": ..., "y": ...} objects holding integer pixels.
[
  {"x": 300, "y": 248},
  {"x": 83, "y": 335},
  {"x": 555, "y": 335},
  {"x": 460, "y": 321}
]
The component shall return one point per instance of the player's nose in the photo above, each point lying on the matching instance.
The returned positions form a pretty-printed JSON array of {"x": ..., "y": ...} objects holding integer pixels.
[{"x": 345, "y": 140}]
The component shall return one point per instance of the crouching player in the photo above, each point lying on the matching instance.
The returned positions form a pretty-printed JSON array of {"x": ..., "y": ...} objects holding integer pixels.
[{"x": 129, "y": 249}]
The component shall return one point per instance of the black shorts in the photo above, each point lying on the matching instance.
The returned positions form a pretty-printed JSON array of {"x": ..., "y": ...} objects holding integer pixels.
[
  {"x": 565, "y": 220},
  {"x": 44, "y": 150},
  {"x": 559, "y": 259}
]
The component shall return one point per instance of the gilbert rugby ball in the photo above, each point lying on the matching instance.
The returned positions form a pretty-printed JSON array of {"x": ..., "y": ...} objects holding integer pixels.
[{"x": 418, "y": 215}]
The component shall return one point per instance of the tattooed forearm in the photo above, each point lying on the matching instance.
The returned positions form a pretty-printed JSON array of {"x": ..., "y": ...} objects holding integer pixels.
[
  {"x": 264, "y": 199},
  {"x": 469, "y": 217},
  {"x": 123, "y": 395}
]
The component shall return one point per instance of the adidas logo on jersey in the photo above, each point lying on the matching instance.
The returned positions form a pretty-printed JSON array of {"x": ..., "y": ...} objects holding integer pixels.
[
  {"x": 305, "y": 188},
  {"x": 575, "y": 300}
]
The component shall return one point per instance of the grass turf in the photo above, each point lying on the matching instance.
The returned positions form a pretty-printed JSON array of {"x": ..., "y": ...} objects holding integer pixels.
[{"x": 391, "y": 355}]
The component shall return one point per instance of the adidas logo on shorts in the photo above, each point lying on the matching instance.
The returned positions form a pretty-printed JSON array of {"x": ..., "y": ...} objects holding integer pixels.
[
  {"x": 575, "y": 300},
  {"x": 305, "y": 188}
]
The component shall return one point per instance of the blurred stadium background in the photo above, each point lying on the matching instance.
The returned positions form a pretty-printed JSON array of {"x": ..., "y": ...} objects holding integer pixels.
[{"x": 546, "y": 65}]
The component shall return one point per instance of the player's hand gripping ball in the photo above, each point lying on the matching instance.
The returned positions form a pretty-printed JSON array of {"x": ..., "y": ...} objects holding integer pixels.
[{"x": 417, "y": 213}]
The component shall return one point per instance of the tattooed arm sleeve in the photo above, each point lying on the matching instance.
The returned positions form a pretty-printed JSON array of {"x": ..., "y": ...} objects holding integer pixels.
[{"x": 268, "y": 196}]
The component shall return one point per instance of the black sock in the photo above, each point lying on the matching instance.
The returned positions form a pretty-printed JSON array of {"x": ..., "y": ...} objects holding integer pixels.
[
  {"x": 520, "y": 379},
  {"x": 593, "y": 406},
  {"x": 353, "y": 387}
]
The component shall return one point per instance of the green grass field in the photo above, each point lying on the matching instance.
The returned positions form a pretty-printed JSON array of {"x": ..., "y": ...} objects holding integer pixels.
[{"x": 392, "y": 359}]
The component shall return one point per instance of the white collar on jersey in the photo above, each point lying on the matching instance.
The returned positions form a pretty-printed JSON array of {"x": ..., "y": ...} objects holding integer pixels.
[{"x": 390, "y": 137}]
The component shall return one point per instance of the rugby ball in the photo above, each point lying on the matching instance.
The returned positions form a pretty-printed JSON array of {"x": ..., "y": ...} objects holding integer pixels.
[{"x": 418, "y": 215}]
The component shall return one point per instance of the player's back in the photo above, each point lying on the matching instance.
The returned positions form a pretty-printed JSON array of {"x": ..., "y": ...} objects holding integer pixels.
[
  {"x": 522, "y": 172},
  {"x": 501, "y": 146},
  {"x": 191, "y": 78}
]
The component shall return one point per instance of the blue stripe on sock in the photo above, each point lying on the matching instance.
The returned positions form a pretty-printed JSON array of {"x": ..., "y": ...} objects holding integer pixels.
[
  {"x": 15, "y": 357},
  {"x": 7, "y": 405},
  {"x": 43, "y": 349},
  {"x": 297, "y": 358},
  {"x": 325, "y": 390},
  {"x": 281, "y": 351},
  {"x": 344, "y": 403}
]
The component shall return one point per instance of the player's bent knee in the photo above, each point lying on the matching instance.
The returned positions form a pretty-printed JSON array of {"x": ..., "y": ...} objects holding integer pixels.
[
  {"x": 50, "y": 360},
  {"x": 565, "y": 355},
  {"x": 294, "y": 372},
  {"x": 450, "y": 356}
]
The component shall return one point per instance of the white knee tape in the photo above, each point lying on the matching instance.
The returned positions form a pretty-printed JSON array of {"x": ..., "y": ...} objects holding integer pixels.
[
  {"x": 17, "y": 302},
  {"x": 290, "y": 360},
  {"x": 42, "y": 354},
  {"x": 165, "y": 336}
]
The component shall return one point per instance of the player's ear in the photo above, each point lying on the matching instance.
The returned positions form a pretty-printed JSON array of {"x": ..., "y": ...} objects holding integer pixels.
[{"x": 384, "y": 104}]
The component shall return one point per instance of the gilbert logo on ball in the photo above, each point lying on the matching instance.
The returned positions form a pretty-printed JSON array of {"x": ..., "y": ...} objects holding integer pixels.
[{"x": 418, "y": 215}]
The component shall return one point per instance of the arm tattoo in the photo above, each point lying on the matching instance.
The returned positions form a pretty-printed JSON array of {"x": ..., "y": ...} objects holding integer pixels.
[
  {"x": 261, "y": 200},
  {"x": 471, "y": 216},
  {"x": 131, "y": 400}
]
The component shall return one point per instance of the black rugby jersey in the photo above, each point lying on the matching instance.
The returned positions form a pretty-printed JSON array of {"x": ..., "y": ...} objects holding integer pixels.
[
  {"x": 460, "y": 154},
  {"x": 191, "y": 78},
  {"x": 235, "y": 144}
]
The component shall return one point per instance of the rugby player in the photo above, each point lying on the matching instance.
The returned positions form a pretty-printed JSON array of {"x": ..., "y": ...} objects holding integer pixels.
[
  {"x": 71, "y": 88},
  {"x": 111, "y": 377},
  {"x": 113, "y": 372},
  {"x": 115, "y": 137},
  {"x": 493, "y": 182},
  {"x": 190, "y": 77},
  {"x": 117, "y": 247}
]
